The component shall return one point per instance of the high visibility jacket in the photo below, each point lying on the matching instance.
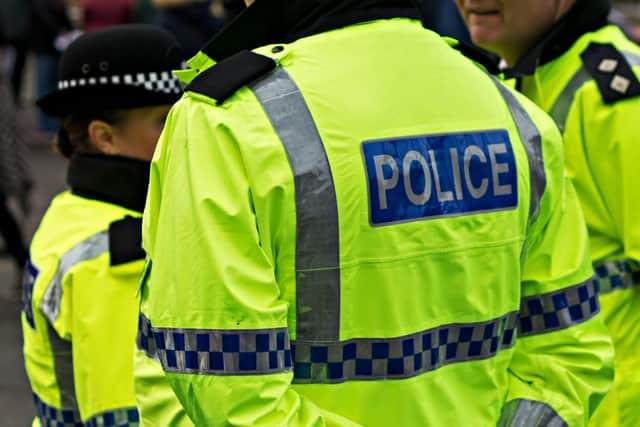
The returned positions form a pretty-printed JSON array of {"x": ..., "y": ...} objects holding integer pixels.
[
  {"x": 80, "y": 304},
  {"x": 370, "y": 239},
  {"x": 592, "y": 92}
]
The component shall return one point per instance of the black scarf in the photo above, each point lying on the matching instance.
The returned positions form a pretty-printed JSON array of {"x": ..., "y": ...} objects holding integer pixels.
[
  {"x": 118, "y": 180},
  {"x": 284, "y": 21}
]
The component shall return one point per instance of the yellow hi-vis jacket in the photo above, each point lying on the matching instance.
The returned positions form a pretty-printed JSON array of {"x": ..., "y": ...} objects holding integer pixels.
[
  {"x": 592, "y": 92},
  {"x": 80, "y": 304},
  {"x": 372, "y": 232}
]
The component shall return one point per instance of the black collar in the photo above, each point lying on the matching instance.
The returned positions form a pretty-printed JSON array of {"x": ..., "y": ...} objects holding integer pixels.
[
  {"x": 112, "y": 179},
  {"x": 284, "y": 21},
  {"x": 585, "y": 16}
]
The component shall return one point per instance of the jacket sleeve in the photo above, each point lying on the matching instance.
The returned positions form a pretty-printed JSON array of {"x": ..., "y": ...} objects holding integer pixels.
[
  {"x": 602, "y": 158},
  {"x": 212, "y": 308},
  {"x": 562, "y": 363}
]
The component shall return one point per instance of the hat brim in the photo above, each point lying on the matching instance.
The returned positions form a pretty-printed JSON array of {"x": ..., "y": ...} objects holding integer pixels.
[{"x": 109, "y": 97}]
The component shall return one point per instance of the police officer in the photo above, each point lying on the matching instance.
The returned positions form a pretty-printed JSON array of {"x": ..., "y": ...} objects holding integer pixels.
[
  {"x": 80, "y": 308},
  {"x": 584, "y": 73},
  {"x": 349, "y": 223}
]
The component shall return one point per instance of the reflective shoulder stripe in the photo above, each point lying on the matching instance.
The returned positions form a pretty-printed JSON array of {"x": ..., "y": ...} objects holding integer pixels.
[
  {"x": 529, "y": 413},
  {"x": 217, "y": 352},
  {"x": 532, "y": 141},
  {"x": 318, "y": 241},
  {"x": 51, "y": 416},
  {"x": 560, "y": 109},
  {"x": 267, "y": 351},
  {"x": 87, "y": 249},
  {"x": 557, "y": 310},
  {"x": 124, "y": 417},
  {"x": 611, "y": 276}
]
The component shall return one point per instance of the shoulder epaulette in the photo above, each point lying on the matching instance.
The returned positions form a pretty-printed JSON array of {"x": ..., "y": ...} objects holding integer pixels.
[
  {"x": 226, "y": 77},
  {"x": 611, "y": 71},
  {"x": 125, "y": 240},
  {"x": 488, "y": 60}
]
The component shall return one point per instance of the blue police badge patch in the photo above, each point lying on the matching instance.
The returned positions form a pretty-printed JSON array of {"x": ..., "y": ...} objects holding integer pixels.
[{"x": 423, "y": 177}]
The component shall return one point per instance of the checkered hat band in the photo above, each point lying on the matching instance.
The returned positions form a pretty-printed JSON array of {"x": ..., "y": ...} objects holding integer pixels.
[
  {"x": 50, "y": 416},
  {"x": 162, "y": 82},
  {"x": 611, "y": 276},
  {"x": 268, "y": 351},
  {"x": 558, "y": 310}
]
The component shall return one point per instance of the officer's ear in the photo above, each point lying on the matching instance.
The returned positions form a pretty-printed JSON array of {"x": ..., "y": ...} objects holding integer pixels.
[{"x": 101, "y": 135}]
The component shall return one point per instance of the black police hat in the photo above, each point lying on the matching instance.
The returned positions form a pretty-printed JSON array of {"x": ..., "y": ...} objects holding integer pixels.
[{"x": 121, "y": 67}]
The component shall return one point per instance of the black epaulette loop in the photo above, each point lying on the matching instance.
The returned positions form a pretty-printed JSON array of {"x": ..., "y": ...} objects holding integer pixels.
[
  {"x": 125, "y": 241},
  {"x": 487, "y": 59},
  {"x": 226, "y": 77},
  {"x": 611, "y": 71}
]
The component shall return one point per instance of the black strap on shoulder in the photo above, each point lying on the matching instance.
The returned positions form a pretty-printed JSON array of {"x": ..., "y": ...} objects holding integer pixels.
[
  {"x": 487, "y": 59},
  {"x": 611, "y": 71},
  {"x": 225, "y": 78},
  {"x": 125, "y": 240}
]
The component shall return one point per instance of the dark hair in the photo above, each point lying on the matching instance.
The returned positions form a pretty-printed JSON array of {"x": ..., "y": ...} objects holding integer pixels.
[{"x": 73, "y": 136}]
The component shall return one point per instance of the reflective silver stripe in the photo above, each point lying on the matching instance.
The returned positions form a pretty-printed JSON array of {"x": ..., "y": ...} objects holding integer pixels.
[
  {"x": 532, "y": 142},
  {"x": 616, "y": 275},
  {"x": 318, "y": 241},
  {"x": 217, "y": 352},
  {"x": 90, "y": 248},
  {"x": 63, "y": 369},
  {"x": 558, "y": 310},
  {"x": 123, "y": 417},
  {"x": 529, "y": 413},
  {"x": 560, "y": 109}
]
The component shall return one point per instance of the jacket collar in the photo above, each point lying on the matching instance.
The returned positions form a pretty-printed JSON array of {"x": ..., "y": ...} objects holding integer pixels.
[
  {"x": 284, "y": 21},
  {"x": 112, "y": 179},
  {"x": 585, "y": 16}
]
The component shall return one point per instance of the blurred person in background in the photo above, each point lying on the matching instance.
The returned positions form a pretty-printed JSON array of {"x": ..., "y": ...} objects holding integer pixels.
[
  {"x": 50, "y": 21},
  {"x": 80, "y": 306},
  {"x": 96, "y": 14},
  {"x": 15, "y": 26},
  {"x": 15, "y": 180},
  {"x": 193, "y": 22},
  {"x": 566, "y": 57}
]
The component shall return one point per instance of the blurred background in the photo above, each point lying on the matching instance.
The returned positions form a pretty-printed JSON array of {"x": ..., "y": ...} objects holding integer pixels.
[{"x": 33, "y": 34}]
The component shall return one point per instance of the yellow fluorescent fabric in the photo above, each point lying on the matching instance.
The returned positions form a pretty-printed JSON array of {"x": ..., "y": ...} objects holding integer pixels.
[
  {"x": 602, "y": 157},
  {"x": 97, "y": 313},
  {"x": 220, "y": 229}
]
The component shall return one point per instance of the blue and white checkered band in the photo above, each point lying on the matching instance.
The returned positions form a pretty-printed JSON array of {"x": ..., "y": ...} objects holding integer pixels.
[
  {"x": 611, "y": 276},
  {"x": 163, "y": 82},
  {"x": 50, "y": 416}
]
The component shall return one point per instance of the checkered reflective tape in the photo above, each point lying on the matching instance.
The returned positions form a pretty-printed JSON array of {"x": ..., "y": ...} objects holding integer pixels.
[
  {"x": 402, "y": 357},
  {"x": 218, "y": 352},
  {"x": 125, "y": 417},
  {"x": 614, "y": 275},
  {"x": 51, "y": 416},
  {"x": 162, "y": 81},
  {"x": 558, "y": 310}
]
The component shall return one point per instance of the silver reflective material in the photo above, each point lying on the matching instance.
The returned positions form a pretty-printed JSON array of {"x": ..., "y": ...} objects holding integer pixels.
[
  {"x": 529, "y": 413},
  {"x": 121, "y": 417},
  {"x": 532, "y": 141},
  {"x": 558, "y": 310},
  {"x": 611, "y": 276},
  {"x": 90, "y": 248},
  {"x": 318, "y": 240},
  {"x": 560, "y": 109},
  {"x": 63, "y": 369}
]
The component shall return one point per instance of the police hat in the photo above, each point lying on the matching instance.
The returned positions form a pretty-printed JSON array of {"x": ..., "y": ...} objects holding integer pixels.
[{"x": 127, "y": 66}]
